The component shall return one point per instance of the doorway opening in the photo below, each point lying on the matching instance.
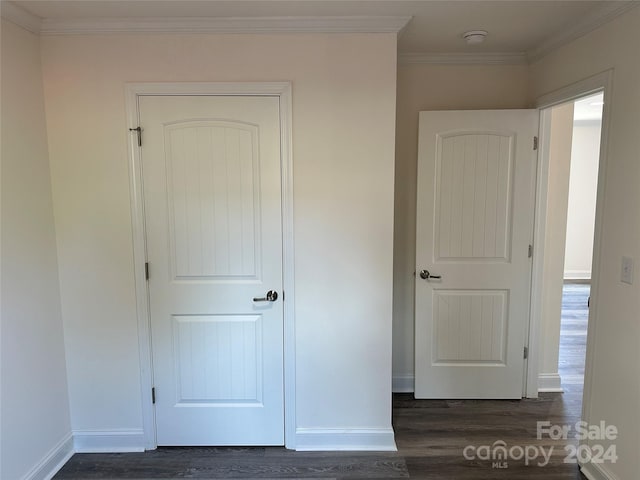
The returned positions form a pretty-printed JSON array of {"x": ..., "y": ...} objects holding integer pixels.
[
  {"x": 574, "y": 136},
  {"x": 583, "y": 186}
]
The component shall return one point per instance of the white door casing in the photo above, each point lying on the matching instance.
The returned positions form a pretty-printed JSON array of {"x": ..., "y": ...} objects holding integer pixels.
[
  {"x": 212, "y": 191},
  {"x": 474, "y": 227}
]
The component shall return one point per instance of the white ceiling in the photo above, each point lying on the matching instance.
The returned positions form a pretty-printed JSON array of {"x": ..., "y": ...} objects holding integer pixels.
[{"x": 515, "y": 27}]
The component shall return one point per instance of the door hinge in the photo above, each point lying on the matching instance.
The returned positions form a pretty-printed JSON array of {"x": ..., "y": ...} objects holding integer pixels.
[
  {"x": 535, "y": 143},
  {"x": 530, "y": 252},
  {"x": 153, "y": 395},
  {"x": 138, "y": 130},
  {"x": 146, "y": 271},
  {"x": 526, "y": 352}
]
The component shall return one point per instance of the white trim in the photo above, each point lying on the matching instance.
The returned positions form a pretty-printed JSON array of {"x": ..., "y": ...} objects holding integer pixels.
[
  {"x": 599, "y": 82},
  {"x": 537, "y": 270},
  {"x": 606, "y": 81},
  {"x": 283, "y": 91},
  {"x": 109, "y": 441},
  {"x": 550, "y": 382},
  {"x": 353, "y": 439},
  {"x": 575, "y": 91},
  {"x": 496, "y": 58},
  {"x": 586, "y": 121},
  {"x": 592, "y": 21},
  {"x": 577, "y": 275},
  {"x": 288, "y": 266},
  {"x": 53, "y": 461},
  {"x": 403, "y": 383},
  {"x": 581, "y": 281},
  {"x": 18, "y": 15},
  {"x": 594, "y": 471},
  {"x": 205, "y": 88},
  {"x": 140, "y": 283},
  {"x": 336, "y": 24}
]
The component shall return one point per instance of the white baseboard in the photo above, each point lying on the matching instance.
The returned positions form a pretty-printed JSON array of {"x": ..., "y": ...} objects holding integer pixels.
[
  {"x": 108, "y": 441},
  {"x": 549, "y": 382},
  {"x": 403, "y": 383},
  {"x": 597, "y": 471},
  {"x": 328, "y": 439},
  {"x": 53, "y": 460},
  {"x": 577, "y": 275}
]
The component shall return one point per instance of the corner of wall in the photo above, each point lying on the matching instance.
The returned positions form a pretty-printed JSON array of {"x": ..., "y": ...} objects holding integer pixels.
[
  {"x": 36, "y": 436},
  {"x": 53, "y": 461}
]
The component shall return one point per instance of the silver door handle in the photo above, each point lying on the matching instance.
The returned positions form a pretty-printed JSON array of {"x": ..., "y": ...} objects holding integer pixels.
[
  {"x": 271, "y": 297},
  {"x": 425, "y": 275}
]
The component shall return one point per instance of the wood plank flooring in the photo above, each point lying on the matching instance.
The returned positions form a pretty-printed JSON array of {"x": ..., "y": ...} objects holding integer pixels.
[
  {"x": 573, "y": 335},
  {"x": 431, "y": 436},
  {"x": 234, "y": 463}
]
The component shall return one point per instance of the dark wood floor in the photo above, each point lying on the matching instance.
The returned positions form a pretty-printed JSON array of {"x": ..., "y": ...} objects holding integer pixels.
[
  {"x": 431, "y": 436},
  {"x": 573, "y": 335}
]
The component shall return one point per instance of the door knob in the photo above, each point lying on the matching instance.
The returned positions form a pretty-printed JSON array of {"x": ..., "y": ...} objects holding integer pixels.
[
  {"x": 425, "y": 275},
  {"x": 272, "y": 296}
]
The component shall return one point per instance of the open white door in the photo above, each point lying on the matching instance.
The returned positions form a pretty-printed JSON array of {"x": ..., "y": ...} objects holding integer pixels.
[
  {"x": 474, "y": 227},
  {"x": 211, "y": 169}
]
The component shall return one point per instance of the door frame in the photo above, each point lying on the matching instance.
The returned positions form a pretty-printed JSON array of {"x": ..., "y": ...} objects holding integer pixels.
[
  {"x": 282, "y": 90},
  {"x": 601, "y": 82}
]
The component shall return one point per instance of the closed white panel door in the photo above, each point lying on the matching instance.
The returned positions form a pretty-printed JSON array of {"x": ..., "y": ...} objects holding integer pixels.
[
  {"x": 474, "y": 226},
  {"x": 211, "y": 168}
]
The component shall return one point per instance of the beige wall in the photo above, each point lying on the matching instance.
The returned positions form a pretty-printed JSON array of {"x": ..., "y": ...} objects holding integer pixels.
[
  {"x": 433, "y": 87},
  {"x": 615, "y": 393},
  {"x": 343, "y": 148},
  {"x": 560, "y": 135},
  {"x": 585, "y": 155},
  {"x": 35, "y": 408},
  {"x": 344, "y": 100}
]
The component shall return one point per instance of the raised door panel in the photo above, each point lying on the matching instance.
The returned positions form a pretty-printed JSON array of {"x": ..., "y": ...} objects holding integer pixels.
[
  {"x": 474, "y": 177},
  {"x": 213, "y": 197},
  {"x": 218, "y": 359},
  {"x": 470, "y": 327}
]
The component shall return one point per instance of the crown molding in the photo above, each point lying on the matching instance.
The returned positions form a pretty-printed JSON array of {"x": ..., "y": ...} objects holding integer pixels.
[
  {"x": 359, "y": 24},
  {"x": 494, "y": 58},
  {"x": 11, "y": 12},
  {"x": 597, "y": 18}
]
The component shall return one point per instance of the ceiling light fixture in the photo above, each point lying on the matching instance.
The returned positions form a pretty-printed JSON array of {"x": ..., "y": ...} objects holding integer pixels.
[{"x": 474, "y": 37}]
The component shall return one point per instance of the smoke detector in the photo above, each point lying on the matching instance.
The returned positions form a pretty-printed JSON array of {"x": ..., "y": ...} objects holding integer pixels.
[{"x": 474, "y": 37}]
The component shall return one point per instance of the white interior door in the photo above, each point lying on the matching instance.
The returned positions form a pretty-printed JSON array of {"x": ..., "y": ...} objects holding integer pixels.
[
  {"x": 474, "y": 227},
  {"x": 211, "y": 171}
]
